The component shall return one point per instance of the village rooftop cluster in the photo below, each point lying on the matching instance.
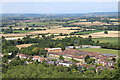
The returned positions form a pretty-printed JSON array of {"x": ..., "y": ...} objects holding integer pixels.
[{"x": 70, "y": 56}]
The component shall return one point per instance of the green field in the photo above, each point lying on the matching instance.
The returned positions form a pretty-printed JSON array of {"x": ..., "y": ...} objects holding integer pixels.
[
  {"x": 88, "y": 32},
  {"x": 101, "y": 50},
  {"x": 23, "y": 31},
  {"x": 36, "y": 23},
  {"x": 112, "y": 40},
  {"x": 41, "y": 23}
]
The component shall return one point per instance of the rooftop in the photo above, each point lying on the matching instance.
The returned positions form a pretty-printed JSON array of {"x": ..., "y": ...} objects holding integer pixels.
[
  {"x": 108, "y": 55},
  {"x": 54, "y": 48},
  {"x": 36, "y": 56}
]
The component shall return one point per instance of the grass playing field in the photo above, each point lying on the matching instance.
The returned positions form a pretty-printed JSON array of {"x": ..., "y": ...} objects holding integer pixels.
[
  {"x": 101, "y": 50},
  {"x": 112, "y": 40}
]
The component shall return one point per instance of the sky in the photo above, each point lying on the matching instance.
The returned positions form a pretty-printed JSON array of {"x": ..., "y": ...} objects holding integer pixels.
[
  {"x": 53, "y": 7},
  {"x": 60, "y": 0}
]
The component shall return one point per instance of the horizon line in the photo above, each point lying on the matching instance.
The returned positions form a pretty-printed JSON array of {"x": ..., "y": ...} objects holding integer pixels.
[{"x": 61, "y": 13}]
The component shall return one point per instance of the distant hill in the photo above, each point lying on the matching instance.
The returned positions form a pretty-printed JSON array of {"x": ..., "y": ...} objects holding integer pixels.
[
  {"x": 103, "y": 14},
  {"x": 62, "y": 15}
]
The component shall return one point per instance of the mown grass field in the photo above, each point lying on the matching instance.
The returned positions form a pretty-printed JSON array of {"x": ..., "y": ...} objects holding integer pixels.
[
  {"x": 23, "y": 31},
  {"x": 101, "y": 50},
  {"x": 112, "y": 40},
  {"x": 88, "y": 32}
]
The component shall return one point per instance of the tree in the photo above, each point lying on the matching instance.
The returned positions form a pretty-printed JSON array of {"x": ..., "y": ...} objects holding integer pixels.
[
  {"x": 88, "y": 61},
  {"x": 3, "y": 38},
  {"x": 33, "y": 25},
  {"x": 74, "y": 47},
  {"x": 42, "y": 52},
  {"x": 61, "y": 57},
  {"x": 114, "y": 59},
  {"x": 27, "y": 37},
  {"x": 106, "y": 32},
  {"x": 52, "y": 35},
  {"x": 32, "y": 28},
  {"x": 90, "y": 36},
  {"x": 43, "y": 36},
  {"x": 12, "y": 49},
  {"x": 86, "y": 58},
  {"x": 97, "y": 42},
  {"x": 10, "y": 29},
  {"x": 26, "y": 28},
  {"x": 60, "y": 34},
  {"x": 36, "y": 50},
  {"x": 71, "y": 33}
]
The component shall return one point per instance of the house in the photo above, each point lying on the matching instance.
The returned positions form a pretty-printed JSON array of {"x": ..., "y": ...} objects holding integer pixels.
[
  {"x": 103, "y": 62},
  {"x": 1, "y": 55},
  {"x": 36, "y": 58},
  {"x": 110, "y": 63},
  {"x": 41, "y": 59},
  {"x": 68, "y": 56},
  {"x": 47, "y": 48},
  {"x": 22, "y": 56},
  {"x": 53, "y": 54},
  {"x": 84, "y": 65},
  {"x": 73, "y": 53},
  {"x": 78, "y": 64},
  {"x": 9, "y": 61},
  {"x": 53, "y": 49},
  {"x": 90, "y": 46},
  {"x": 108, "y": 55},
  {"x": 79, "y": 58},
  {"x": 51, "y": 62},
  {"x": 71, "y": 47},
  {"x": 65, "y": 64},
  {"x": 10, "y": 53}
]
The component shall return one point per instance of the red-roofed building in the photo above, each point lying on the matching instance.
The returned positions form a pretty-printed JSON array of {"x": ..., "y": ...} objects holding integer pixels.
[
  {"x": 41, "y": 59},
  {"x": 23, "y": 56},
  {"x": 36, "y": 57},
  {"x": 73, "y": 53}
]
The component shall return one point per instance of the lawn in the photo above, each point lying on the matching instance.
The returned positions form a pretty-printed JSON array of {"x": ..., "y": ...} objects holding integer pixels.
[
  {"x": 101, "y": 50},
  {"x": 112, "y": 40},
  {"x": 23, "y": 31},
  {"x": 88, "y": 32}
]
